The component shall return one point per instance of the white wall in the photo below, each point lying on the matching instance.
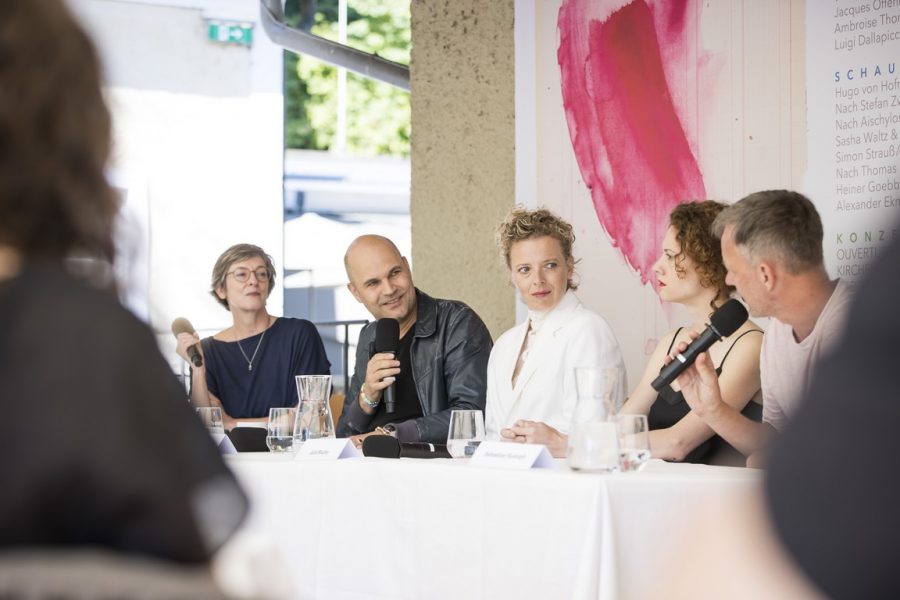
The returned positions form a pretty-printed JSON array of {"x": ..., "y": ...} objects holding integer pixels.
[{"x": 198, "y": 145}]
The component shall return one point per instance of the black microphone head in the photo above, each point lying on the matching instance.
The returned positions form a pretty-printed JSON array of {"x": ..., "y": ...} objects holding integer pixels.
[
  {"x": 387, "y": 335},
  {"x": 728, "y": 317},
  {"x": 181, "y": 325},
  {"x": 381, "y": 446}
]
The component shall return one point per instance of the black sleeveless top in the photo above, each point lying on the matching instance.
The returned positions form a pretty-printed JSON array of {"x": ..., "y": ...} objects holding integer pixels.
[{"x": 670, "y": 407}]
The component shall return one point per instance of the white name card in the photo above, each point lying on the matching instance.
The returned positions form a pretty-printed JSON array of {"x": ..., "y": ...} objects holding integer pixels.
[
  {"x": 224, "y": 443},
  {"x": 509, "y": 455},
  {"x": 327, "y": 449},
  {"x": 251, "y": 424}
]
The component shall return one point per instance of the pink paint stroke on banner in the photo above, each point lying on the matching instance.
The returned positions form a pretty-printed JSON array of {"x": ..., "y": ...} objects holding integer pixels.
[{"x": 623, "y": 116}]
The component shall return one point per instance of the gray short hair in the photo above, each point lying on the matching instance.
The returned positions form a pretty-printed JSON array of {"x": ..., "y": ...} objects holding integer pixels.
[
  {"x": 777, "y": 224},
  {"x": 237, "y": 253}
]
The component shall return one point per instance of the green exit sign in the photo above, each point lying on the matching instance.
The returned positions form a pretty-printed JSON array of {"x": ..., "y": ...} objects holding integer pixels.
[{"x": 230, "y": 33}]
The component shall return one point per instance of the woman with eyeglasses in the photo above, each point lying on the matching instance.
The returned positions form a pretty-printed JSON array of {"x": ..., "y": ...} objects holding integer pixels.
[{"x": 249, "y": 367}]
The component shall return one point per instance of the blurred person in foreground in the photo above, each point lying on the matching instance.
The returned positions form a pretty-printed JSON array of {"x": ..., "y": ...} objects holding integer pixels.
[
  {"x": 440, "y": 364},
  {"x": 772, "y": 248},
  {"x": 690, "y": 272},
  {"x": 826, "y": 523},
  {"x": 531, "y": 372},
  {"x": 100, "y": 448},
  {"x": 250, "y": 367}
]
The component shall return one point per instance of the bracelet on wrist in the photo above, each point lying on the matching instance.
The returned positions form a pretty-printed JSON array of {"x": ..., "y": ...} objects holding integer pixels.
[{"x": 366, "y": 400}]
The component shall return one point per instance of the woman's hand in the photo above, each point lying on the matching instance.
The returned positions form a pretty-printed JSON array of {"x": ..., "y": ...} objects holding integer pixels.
[
  {"x": 185, "y": 340},
  {"x": 535, "y": 432}
]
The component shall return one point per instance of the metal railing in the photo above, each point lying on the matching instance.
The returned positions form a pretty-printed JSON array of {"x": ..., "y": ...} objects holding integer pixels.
[{"x": 345, "y": 344}]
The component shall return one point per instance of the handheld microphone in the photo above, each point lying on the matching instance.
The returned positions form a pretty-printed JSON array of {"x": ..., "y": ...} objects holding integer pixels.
[
  {"x": 387, "y": 339},
  {"x": 385, "y": 446},
  {"x": 182, "y": 325},
  {"x": 725, "y": 321}
]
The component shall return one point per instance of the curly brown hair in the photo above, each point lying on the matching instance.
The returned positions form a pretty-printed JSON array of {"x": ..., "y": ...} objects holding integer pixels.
[
  {"x": 522, "y": 224},
  {"x": 692, "y": 222},
  {"x": 55, "y": 136}
]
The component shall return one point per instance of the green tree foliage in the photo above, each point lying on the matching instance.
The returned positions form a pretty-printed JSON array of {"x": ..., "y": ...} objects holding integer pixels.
[{"x": 377, "y": 113}]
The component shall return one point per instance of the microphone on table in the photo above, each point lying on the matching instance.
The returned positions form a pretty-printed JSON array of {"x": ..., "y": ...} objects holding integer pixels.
[
  {"x": 722, "y": 323},
  {"x": 182, "y": 325},
  {"x": 387, "y": 339},
  {"x": 385, "y": 446}
]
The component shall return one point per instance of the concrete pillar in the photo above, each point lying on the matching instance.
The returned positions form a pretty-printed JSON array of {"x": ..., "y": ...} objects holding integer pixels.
[{"x": 463, "y": 151}]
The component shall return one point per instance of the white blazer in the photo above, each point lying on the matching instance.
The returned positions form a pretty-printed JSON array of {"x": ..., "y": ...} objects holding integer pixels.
[{"x": 570, "y": 336}]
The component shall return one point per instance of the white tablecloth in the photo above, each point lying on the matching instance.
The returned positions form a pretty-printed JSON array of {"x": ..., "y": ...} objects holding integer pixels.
[{"x": 381, "y": 528}]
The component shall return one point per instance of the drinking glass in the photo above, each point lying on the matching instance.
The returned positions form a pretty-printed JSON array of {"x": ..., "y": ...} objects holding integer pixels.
[
  {"x": 600, "y": 384},
  {"x": 314, "y": 413},
  {"x": 280, "y": 429},
  {"x": 634, "y": 441},
  {"x": 212, "y": 419},
  {"x": 466, "y": 432},
  {"x": 593, "y": 441}
]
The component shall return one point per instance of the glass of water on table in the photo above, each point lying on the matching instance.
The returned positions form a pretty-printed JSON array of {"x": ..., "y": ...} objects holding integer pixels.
[
  {"x": 280, "y": 429},
  {"x": 634, "y": 441},
  {"x": 466, "y": 432}
]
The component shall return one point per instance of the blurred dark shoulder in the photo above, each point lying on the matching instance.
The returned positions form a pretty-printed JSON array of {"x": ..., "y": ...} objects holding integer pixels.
[
  {"x": 59, "y": 333},
  {"x": 55, "y": 301}
]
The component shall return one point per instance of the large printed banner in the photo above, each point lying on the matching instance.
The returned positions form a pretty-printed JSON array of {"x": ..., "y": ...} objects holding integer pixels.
[
  {"x": 642, "y": 104},
  {"x": 627, "y": 97},
  {"x": 853, "y": 116}
]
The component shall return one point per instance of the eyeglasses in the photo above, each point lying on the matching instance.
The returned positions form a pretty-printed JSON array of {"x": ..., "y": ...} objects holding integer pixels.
[{"x": 243, "y": 275}]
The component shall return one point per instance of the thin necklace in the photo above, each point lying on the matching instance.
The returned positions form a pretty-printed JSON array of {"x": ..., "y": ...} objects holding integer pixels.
[{"x": 252, "y": 358}]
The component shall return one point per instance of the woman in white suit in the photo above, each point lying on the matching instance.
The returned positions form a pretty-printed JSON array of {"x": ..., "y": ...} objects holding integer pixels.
[{"x": 531, "y": 371}]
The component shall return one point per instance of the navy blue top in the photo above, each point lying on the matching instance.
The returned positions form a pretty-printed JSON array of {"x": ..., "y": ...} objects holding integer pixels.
[{"x": 290, "y": 347}]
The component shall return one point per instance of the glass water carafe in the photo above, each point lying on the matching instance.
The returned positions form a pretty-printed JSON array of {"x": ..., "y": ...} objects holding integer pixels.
[{"x": 314, "y": 412}]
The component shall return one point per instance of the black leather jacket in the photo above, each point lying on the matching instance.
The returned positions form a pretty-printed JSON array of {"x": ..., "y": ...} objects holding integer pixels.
[{"x": 449, "y": 355}]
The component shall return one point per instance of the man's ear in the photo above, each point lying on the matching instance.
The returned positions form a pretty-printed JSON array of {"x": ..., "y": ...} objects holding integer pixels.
[
  {"x": 768, "y": 274},
  {"x": 354, "y": 291}
]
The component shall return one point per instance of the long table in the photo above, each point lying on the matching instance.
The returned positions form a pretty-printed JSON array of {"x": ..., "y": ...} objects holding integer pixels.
[{"x": 381, "y": 528}]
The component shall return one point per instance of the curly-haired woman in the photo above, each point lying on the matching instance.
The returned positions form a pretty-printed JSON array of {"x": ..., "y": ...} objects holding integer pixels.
[
  {"x": 691, "y": 273},
  {"x": 531, "y": 371}
]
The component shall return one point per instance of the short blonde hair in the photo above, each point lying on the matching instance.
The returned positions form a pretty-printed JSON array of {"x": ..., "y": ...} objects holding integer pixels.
[{"x": 523, "y": 224}]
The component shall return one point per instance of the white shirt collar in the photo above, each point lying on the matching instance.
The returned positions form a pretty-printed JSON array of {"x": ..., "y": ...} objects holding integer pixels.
[{"x": 537, "y": 318}]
